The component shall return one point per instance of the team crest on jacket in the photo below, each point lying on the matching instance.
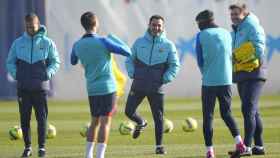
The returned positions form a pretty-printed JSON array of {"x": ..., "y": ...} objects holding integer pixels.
[{"x": 161, "y": 50}]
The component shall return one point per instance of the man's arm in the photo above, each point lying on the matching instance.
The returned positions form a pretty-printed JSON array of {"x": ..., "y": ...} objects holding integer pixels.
[
  {"x": 74, "y": 58},
  {"x": 11, "y": 61},
  {"x": 173, "y": 66},
  {"x": 257, "y": 37},
  {"x": 115, "y": 45},
  {"x": 199, "y": 56},
  {"x": 53, "y": 60},
  {"x": 129, "y": 63}
]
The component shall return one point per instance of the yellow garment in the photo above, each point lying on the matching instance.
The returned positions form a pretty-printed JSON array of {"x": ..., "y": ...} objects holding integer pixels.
[
  {"x": 245, "y": 58},
  {"x": 248, "y": 67},
  {"x": 120, "y": 78}
]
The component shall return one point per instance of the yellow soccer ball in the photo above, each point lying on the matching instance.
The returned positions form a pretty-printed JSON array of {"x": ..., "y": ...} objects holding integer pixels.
[
  {"x": 15, "y": 133},
  {"x": 51, "y": 132},
  {"x": 168, "y": 126},
  {"x": 126, "y": 128},
  {"x": 84, "y": 130},
  {"x": 189, "y": 125}
]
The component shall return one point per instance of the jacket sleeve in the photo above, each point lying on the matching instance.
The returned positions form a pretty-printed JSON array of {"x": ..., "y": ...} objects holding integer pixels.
[
  {"x": 74, "y": 59},
  {"x": 257, "y": 37},
  {"x": 198, "y": 50},
  {"x": 11, "y": 61},
  {"x": 173, "y": 65},
  {"x": 53, "y": 60},
  {"x": 129, "y": 63},
  {"x": 115, "y": 45}
]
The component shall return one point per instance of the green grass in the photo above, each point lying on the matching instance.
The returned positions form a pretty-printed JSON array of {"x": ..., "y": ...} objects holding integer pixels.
[{"x": 70, "y": 116}]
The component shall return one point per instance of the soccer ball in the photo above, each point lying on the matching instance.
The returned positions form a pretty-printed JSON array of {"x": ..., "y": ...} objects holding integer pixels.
[
  {"x": 189, "y": 125},
  {"x": 167, "y": 126},
  {"x": 15, "y": 133},
  {"x": 84, "y": 130},
  {"x": 51, "y": 131},
  {"x": 126, "y": 128}
]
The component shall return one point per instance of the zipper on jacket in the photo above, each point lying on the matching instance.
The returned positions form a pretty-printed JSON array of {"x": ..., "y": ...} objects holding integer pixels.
[
  {"x": 31, "y": 54},
  {"x": 150, "y": 61},
  {"x": 234, "y": 39}
]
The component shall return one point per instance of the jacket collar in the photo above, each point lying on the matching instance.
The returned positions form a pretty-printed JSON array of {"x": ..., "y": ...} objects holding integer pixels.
[
  {"x": 89, "y": 35},
  {"x": 156, "y": 39},
  {"x": 41, "y": 32}
]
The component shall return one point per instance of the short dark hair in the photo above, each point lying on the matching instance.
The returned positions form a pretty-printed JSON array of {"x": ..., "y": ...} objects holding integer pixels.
[
  {"x": 241, "y": 6},
  {"x": 205, "y": 15},
  {"x": 88, "y": 20},
  {"x": 30, "y": 17},
  {"x": 156, "y": 17}
]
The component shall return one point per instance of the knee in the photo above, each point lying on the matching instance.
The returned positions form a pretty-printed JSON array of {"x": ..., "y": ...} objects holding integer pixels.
[
  {"x": 128, "y": 111},
  {"x": 208, "y": 117},
  {"x": 225, "y": 115},
  {"x": 249, "y": 114},
  {"x": 158, "y": 120},
  {"x": 104, "y": 126}
]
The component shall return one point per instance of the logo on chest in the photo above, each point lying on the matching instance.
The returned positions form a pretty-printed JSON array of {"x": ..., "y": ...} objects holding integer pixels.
[
  {"x": 161, "y": 50},
  {"x": 241, "y": 34}
]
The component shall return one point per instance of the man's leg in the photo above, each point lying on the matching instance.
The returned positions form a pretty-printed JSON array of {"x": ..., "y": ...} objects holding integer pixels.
[
  {"x": 103, "y": 135},
  {"x": 25, "y": 109},
  {"x": 259, "y": 130},
  {"x": 156, "y": 101},
  {"x": 249, "y": 92},
  {"x": 224, "y": 97},
  {"x": 92, "y": 136},
  {"x": 208, "y": 98},
  {"x": 39, "y": 100},
  {"x": 133, "y": 101}
]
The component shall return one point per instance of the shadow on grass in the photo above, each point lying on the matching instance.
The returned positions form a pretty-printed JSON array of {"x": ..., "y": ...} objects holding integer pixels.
[{"x": 216, "y": 156}]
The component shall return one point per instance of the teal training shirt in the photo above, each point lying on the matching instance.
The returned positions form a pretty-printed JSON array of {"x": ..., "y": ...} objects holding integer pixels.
[
  {"x": 94, "y": 53},
  {"x": 214, "y": 54}
]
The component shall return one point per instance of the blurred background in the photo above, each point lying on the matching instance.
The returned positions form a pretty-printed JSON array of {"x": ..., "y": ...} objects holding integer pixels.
[{"x": 128, "y": 19}]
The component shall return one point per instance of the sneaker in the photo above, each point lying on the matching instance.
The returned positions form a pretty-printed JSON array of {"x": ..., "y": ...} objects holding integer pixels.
[
  {"x": 41, "y": 152},
  {"x": 258, "y": 151},
  {"x": 210, "y": 154},
  {"x": 27, "y": 152},
  {"x": 139, "y": 129},
  {"x": 160, "y": 150},
  {"x": 240, "y": 151}
]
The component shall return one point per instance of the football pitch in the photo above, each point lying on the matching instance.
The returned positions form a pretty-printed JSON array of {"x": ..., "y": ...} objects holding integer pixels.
[{"x": 69, "y": 116}]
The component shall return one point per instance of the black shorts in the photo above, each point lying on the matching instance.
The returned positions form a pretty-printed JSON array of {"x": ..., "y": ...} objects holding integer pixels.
[{"x": 102, "y": 105}]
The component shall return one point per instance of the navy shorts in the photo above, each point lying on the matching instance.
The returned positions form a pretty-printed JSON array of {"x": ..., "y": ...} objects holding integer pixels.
[{"x": 102, "y": 105}]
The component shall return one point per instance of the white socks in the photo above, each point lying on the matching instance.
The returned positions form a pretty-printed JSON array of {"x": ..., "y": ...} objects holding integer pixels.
[
  {"x": 238, "y": 139},
  {"x": 89, "y": 149},
  {"x": 210, "y": 148},
  {"x": 100, "y": 150}
]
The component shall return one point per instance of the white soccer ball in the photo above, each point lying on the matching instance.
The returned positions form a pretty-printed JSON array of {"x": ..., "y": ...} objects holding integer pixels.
[
  {"x": 126, "y": 128},
  {"x": 51, "y": 131},
  {"x": 189, "y": 125},
  {"x": 168, "y": 126}
]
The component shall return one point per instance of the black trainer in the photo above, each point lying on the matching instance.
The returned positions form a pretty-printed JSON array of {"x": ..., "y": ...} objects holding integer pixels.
[
  {"x": 139, "y": 129},
  {"x": 160, "y": 150},
  {"x": 258, "y": 151},
  {"x": 27, "y": 152},
  {"x": 41, "y": 152}
]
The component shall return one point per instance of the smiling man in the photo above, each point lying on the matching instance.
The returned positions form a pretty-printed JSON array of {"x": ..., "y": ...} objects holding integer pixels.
[
  {"x": 154, "y": 62},
  {"x": 249, "y": 73}
]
